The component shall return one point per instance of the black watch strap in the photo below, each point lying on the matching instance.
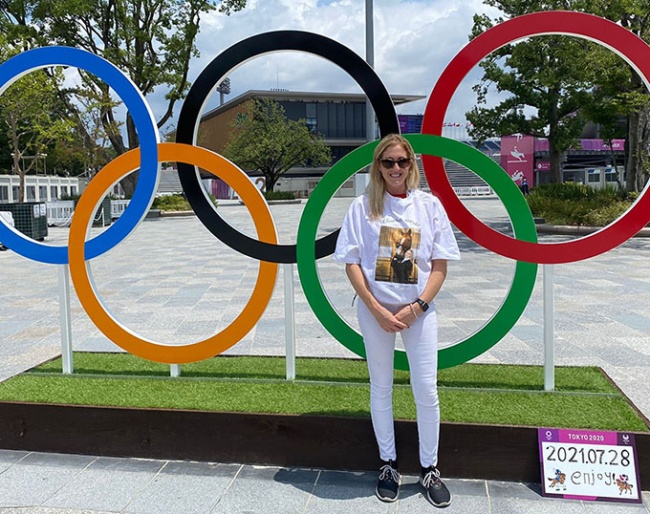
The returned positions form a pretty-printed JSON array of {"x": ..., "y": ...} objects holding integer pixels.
[{"x": 423, "y": 305}]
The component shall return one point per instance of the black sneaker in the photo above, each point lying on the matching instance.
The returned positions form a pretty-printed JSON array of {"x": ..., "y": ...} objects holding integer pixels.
[
  {"x": 436, "y": 492},
  {"x": 388, "y": 483}
]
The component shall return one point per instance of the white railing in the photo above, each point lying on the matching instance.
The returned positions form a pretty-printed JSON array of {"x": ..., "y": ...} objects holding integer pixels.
[
  {"x": 118, "y": 207},
  {"x": 463, "y": 191},
  {"x": 59, "y": 213},
  {"x": 482, "y": 190},
  {"x": 473, "y": 191}
]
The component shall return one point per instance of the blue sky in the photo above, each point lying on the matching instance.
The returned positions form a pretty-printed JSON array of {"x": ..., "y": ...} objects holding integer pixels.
[{"x": 414, "y": 41}]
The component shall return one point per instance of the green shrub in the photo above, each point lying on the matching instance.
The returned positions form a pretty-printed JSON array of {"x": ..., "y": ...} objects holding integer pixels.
[
  {"x": 565, "y": 191},
  {"x": 279, "y": 195},
  {"x": 171, "y": 203},
  {"x": 606, "y": 214},
  {"x": 68, "y": 197},
  {"x": 577, "y": 204}
]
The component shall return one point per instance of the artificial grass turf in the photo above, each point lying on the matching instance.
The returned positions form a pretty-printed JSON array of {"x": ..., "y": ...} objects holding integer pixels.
[{"x": 470, "y": 393}]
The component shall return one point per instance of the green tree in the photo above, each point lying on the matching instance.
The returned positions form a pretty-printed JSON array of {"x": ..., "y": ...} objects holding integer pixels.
[
  {"x": 621, "y": 93},
  {"x": 153, "y": 41},
  {"x": 600, "y": 86},
  {"x": 542, "y": 85},
  {"x": 31, "y": 112},
  {"x": 265, "y": 140},
  {"x": 86, "y": 152}
]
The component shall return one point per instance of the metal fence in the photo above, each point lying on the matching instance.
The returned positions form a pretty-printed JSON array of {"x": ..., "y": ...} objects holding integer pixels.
[
  {"x": 59, "y": 213},
  {"x": 473, "y": 191}
]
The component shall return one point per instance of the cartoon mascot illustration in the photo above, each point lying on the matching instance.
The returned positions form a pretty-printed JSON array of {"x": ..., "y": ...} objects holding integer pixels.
[
  {"x": 557, "y": 482},
  {"x": 623, "y": 485}
]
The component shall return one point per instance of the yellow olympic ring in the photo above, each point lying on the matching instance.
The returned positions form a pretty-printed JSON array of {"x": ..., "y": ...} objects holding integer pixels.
[{"x": 132, "y": 343}]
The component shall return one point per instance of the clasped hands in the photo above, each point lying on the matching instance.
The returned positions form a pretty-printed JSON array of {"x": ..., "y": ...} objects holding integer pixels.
[{"x": 398, "y": 321}]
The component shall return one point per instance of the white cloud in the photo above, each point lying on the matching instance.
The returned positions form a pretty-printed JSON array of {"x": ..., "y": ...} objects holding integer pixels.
[{"x": 413, "y": 41}]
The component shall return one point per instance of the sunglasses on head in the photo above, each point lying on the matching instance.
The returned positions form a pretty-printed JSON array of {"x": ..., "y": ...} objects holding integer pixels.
[{"x": 389, "y": 163}]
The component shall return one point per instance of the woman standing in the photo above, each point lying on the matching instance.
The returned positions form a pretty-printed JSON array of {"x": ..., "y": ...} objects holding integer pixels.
[{"x": 392, "y": 206}]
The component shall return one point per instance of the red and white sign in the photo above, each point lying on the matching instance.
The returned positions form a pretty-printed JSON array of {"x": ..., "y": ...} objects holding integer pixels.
[{"x": 517, "y": 157}]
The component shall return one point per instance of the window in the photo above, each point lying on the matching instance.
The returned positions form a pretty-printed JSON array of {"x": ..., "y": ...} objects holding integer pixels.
[
  {"x": 340, "y": 151},
  {"x": 349, "y": 120},
  {"x": 4, "y": 194},
  {"x": 312, "y": 125},
  {"x": 331, "y": 120},
  {"x": 73, "y": 190},
  {"x": 64, "y": 190},
  {"x": 15, "y": 192},
  {"x": 311, "y": 119},
  {"x": 31, "y": 193},
  {"x": 340, "y": 120},
  {"x": 593, "y": 177},
  {"x": 359, "y": 120},
  {"x": 54, "y": 194},
  {"x": 42, "y": 193}
]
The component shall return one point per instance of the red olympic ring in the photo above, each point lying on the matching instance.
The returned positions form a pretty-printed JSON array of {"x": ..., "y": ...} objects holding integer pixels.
[{"x": 623, "y": 42}]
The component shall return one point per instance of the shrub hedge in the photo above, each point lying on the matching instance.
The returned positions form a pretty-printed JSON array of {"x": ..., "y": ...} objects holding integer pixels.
[{"x": 576, "y": 204}]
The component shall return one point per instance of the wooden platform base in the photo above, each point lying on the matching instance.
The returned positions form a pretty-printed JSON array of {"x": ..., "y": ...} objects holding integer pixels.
[{"x": 466, "y": 451}]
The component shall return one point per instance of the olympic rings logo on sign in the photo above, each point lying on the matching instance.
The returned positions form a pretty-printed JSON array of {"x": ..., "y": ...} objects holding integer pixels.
[{"x": 523, "y": 247}]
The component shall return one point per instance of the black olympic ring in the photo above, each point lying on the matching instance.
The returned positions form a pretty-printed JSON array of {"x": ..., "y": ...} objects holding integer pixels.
[{"x": 210, "y": 77}]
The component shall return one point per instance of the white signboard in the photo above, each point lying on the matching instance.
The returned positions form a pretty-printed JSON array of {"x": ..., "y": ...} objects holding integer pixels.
[{"x": 589, "y": 465}]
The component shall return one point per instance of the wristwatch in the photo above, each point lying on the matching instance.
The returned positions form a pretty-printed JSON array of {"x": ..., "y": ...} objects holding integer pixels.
[{"x": 423, "y": 305}]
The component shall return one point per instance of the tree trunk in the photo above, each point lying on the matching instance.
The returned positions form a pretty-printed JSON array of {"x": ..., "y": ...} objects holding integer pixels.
[
  {"x": 554, "y": 157},
  {"x": 21, "y": 187},
  {"x": 632, "y": 152},
  {"x": 129, "y": 182},
  {"x": 555, "y": 161},
  {"x": 270, "y": 180},
  {"x": 642, "y": 153},
  {"x": 21, "y": 176}
]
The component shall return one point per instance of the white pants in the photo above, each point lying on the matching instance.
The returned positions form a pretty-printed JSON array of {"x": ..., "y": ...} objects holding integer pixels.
[{"x": 421, "y": 345}]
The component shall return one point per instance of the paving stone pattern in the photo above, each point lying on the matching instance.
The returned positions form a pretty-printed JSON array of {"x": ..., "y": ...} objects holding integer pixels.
[{"x": 173, "y": 282}]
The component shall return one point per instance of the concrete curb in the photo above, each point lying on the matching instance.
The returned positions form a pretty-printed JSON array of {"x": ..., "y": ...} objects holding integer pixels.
[{"x": 543, "y": 228}]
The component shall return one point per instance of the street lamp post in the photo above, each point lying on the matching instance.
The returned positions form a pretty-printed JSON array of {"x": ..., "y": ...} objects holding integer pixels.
[{"x": 370, "y": 59}]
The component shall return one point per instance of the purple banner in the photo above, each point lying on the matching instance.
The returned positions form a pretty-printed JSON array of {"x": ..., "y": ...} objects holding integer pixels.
[
  {"x": 597, "y": 145},
  {"x": 410, "y": 123}
]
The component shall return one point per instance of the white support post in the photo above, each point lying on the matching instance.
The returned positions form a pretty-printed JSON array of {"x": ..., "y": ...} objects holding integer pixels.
[
  {"x": 174, "y": 370},
  {"x": 289, "y": 321},
  {"x": 64, "y": 318},
  {"x": 549, "y": 335}
]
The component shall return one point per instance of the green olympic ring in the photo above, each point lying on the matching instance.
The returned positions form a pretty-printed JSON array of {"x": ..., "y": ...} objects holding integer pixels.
[{"x": 522, "y": 222}]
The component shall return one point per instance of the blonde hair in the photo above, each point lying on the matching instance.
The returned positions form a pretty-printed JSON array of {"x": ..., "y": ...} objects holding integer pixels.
[{"x": 377, "y": 186}]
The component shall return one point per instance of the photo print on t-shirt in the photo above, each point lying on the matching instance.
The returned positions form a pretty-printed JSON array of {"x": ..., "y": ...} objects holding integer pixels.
[{"x": 396, "y": 256}]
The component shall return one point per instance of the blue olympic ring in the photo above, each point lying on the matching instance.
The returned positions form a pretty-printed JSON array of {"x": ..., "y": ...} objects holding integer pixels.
[{"x": 11, "y": 70}]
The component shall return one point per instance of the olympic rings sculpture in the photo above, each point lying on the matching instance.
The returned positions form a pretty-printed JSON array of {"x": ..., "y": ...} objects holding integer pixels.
[{"x": 523, "y": 247}]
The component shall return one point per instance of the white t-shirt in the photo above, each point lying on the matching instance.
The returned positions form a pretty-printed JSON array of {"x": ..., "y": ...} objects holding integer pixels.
[{"x": 414, "y": 229}]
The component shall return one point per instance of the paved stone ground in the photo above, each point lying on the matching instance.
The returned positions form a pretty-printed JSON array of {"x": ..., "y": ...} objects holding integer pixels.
[
  {"x": 33, "y": 483},
  {"x": 172, "y": 282}
]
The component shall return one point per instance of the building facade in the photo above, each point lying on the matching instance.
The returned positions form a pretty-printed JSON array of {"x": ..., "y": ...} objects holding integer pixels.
[
  {"x": 39, "y": 188},
  {"x": 340, "y": 118}
]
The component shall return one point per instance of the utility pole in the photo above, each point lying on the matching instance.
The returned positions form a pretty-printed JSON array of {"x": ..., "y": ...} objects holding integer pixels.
[{"x": 370, "y": 59}]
